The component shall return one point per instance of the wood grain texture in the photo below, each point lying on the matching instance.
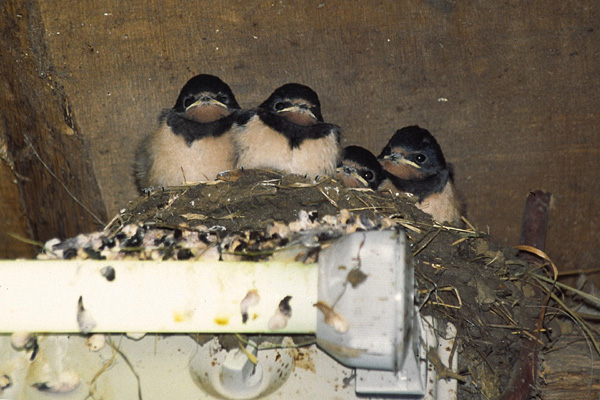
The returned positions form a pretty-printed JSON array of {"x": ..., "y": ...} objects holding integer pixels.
[
  {"x": 508, "y": 89},
  {"x": 12, "y": 218},
  {"x": 570, "y": 369},
  {"x": 50, "y": 159}
]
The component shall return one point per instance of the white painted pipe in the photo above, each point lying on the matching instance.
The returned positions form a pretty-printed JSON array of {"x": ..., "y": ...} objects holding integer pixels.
[{"x": 168, "y": 296}]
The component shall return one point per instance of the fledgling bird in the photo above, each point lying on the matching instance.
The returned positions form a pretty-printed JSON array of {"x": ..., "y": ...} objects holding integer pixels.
[
  {"x": 414, "y": 163},
  {"x": 287, "y": 133},
  {"x": 194, "y": 138},
  {"x": 359, "y": 168}
]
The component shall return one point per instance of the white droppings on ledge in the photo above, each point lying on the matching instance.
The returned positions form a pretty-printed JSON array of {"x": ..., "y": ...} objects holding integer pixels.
[
  {"x": 96, "y": 342},
  {"x": 21, "y": 340},
  {"x": 66, "y": 382}
]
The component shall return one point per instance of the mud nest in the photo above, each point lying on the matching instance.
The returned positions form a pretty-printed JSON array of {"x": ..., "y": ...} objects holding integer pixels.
[{"x": 463, "y": 276}]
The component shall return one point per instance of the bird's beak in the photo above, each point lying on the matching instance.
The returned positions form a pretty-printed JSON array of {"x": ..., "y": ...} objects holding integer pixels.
[
  {"x": 345, "y": 169},
  {"x": 206, "y": 101},
  {"x": 360, "y": 179},
  {"x": 400, "y": 159},
  {"x": 299, "y": 108}
]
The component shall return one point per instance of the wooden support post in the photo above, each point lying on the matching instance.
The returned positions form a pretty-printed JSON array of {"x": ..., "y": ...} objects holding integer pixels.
[
  {"x": 535, "y": 222},
  {"x": 49, "y": 157},
  {"x": 533, "y": 233}
]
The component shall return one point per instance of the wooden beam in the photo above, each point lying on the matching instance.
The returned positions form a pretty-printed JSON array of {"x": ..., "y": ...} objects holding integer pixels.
[
  {"x": 56, "y": 182},
  {"x": 569, "y": 368},
  {"x": 12, "y": 218}
]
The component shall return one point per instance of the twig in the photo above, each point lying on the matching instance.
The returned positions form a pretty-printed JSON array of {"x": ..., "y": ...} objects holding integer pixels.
[
  {"x": 237, "y": 214},
  {"x": 117, "y": 217},
  {"x": 183, "y": 174},
  {"x": 137, "y": 377},
  {"x": 28, "y": 141},
  {"x": 420, "y": 249},
  {"x": 32, "y": 242},
  {"x": 579, "y": 272},
  {"x": 582, "y": 323},
  {"x": 333, "y": 202},
  {"x": 274, "y": 346},
  {"x": 442, "y": 371},
  {"x": 443, "y": 304},
  {"x": 587, "y": 341},
  {"x": 99, "y": 373},
  {"x": 540, "y": 254},
  {"x": 466, "y": 221}
]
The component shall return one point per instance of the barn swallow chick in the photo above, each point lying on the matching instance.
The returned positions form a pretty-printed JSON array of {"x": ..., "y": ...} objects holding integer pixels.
[
  {"x": 287, "y": 133},
  {"x": 414, "y": 163},
  {"x": 359, "y": 168},
  {"x": 193, "y": 141}
]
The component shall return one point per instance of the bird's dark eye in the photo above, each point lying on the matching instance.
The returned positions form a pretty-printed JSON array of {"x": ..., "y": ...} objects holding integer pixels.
[
  {"x": 188, "y": 101},
  {"x": 420, "y": 158},
  {"x": 223, "y": 98},
  {"x": 368, "y": 175},
  {"x": 279, "y": 106}
]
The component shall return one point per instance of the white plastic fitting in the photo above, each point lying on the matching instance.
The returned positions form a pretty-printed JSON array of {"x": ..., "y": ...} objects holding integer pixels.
[
  {"x": 367, "y": 280},
  {"x": 232, "y": 375}
]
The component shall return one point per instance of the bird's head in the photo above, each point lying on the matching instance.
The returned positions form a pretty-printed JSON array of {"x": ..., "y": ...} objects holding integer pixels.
[
  {"x": 359, "y": 168},
  {"x": 412, "y": 154},
  {"x": 295, "y": 102},
  {"x": 206, "y": 98}
]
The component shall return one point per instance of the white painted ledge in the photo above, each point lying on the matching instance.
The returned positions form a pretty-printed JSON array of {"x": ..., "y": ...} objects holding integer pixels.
[{"x": 146, "y": 296}]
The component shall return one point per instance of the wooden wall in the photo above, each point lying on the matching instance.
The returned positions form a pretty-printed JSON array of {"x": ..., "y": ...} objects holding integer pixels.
[{"x": 510, "y": 89}]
